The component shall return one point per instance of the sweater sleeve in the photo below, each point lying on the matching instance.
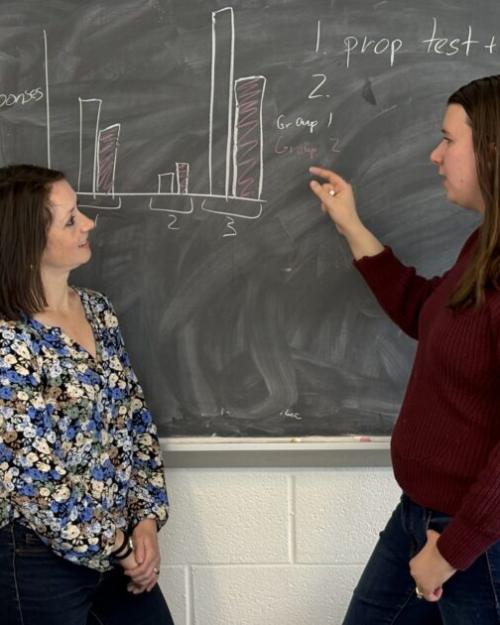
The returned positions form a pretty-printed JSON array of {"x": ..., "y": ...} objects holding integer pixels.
[
  {"x": 476, "y": 526},
  {"x": 147, "y": 496},
  {"x": 398, "y": 288},
  {"x": 34, "y": 477}
]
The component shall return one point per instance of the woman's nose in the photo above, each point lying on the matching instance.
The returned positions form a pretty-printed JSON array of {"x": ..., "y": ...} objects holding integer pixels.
[
  {"x": 89, "y": 224},
  {"x": 436, "y": 155}
]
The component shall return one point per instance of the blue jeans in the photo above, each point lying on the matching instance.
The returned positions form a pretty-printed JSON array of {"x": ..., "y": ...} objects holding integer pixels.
[
  {"x": 39, "y": 588},
  {"x": 385, "y": 594}
]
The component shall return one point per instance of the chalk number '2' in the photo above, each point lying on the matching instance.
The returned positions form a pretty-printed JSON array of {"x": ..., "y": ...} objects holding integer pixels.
[{"x": 314, "y": 93}]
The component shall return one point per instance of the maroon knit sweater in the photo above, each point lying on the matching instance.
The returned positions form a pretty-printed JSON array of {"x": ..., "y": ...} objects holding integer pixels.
[{"x": 446, "y": 442}]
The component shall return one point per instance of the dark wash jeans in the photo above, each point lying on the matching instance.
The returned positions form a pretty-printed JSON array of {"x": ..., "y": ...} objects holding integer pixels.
[
  {"x": 39, "y": 588},
  {"x": 385, "y": 594}
]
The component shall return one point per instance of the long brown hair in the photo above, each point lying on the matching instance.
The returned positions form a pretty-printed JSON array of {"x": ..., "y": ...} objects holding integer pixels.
[
  {"x": 481, "y": 102},
  {"x": 25, "y": 218}
]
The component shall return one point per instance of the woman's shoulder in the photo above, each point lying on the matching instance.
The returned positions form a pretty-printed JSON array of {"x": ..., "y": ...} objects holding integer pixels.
[
  {"x": 14, "y": 326},
  {"x": 99, "y": 306},
  {"x": 16, "y": 335},
  {"x": 9, "y": 324},
  {"x": 98, "y": 300},
  {"x": 470, "y": 243},
  {"x": 493, "y": 304}
]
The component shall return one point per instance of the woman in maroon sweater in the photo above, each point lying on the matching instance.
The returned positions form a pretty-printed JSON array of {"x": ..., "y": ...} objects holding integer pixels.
[{"x": 438, "y": 559}]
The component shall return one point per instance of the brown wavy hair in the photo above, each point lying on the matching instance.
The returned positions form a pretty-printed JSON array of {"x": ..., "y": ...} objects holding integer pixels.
[
  {"x": 481, "y": 102},
  {"x": 25, "y": 218}
]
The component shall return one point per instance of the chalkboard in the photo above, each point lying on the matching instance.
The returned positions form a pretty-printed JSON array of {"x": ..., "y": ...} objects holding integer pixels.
[{"x": 188, "y": 128}]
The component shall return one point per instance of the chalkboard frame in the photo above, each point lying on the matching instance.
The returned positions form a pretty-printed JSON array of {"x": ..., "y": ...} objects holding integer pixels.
[{"x": 219, "y": 452}]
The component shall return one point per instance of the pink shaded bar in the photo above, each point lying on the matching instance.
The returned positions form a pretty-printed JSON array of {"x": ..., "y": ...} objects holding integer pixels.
[
  {"x": 106, "y": 163},
  {"x": 182, "y": 173},
  {"x": 247, "y": 148}
]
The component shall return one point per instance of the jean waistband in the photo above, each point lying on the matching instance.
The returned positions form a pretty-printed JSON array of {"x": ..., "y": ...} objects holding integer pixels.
[
  {"x": 429, "y": 512},
  {"x": 16, "y": 532}
]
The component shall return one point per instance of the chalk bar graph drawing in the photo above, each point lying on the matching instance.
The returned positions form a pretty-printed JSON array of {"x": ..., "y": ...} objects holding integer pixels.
[{"x": 235, "y": 181}]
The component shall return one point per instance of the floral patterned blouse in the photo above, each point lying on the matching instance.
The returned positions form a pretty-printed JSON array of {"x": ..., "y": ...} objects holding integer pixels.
[{"x": 79, "y": 453}]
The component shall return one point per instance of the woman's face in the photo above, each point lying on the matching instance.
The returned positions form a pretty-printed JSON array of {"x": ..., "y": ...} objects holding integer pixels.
[
  {"x": 456, "y": 161},
  {"x": 67, "y": 238}
]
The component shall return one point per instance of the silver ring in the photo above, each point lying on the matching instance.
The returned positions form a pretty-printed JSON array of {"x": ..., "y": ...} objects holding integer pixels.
[
  {"x": 419, "y": 593},
  {"x": 332, "y": 192}
]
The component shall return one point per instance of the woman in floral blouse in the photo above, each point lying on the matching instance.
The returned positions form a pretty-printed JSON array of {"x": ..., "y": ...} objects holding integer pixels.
[{"x": 82, "y": 492}]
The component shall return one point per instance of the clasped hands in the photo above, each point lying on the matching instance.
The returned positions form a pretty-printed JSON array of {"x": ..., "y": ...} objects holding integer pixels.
[
  {"x": 430, "y": 570},
  {"x": 143, "y": 564}
]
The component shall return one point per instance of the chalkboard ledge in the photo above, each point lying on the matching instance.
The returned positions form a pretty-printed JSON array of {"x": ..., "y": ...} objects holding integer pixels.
[{"x": 345, "y": 451}]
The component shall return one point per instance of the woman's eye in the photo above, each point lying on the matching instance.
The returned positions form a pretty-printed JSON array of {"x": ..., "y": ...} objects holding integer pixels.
[{"x": 71, "y": 221}]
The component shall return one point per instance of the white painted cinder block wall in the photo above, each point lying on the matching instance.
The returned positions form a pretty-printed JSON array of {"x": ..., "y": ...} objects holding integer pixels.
[{"x": 270, "y": 546}]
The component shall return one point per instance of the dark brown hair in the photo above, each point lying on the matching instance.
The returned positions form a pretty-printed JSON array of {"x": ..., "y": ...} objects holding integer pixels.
[
  {"x": 25, "y": 218},
  {"x": 481, "y": 102}
]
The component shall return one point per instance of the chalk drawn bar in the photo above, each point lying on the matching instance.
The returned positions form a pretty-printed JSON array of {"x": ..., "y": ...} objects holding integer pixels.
[
  {"x": 90, "y": 111},
  {"x": 221, "y": 102},
  {"x": 166, "y": 182},
  {"x": 106, "y": 162},
  {"x": 248, "y": 139},
  {"x": 182, "y": 174}
]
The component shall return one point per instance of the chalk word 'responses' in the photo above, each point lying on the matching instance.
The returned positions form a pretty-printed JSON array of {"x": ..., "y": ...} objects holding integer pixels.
[{"x": 28, "y": 95}]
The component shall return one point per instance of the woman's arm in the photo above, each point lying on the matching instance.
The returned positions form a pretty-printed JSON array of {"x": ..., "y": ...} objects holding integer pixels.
[
  {"x": 147, "y": 501},
  {"x": 147, "y": 495},
  {"x": 398, "y": 288},
  {"x": 337, "y": 199},
  {"x": 476, "y": 525}
]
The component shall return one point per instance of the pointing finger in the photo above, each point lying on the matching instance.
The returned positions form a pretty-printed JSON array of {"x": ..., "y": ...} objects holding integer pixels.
[
  {"x": 321, "y": 191},
  {"x": 329, "y": 175}
]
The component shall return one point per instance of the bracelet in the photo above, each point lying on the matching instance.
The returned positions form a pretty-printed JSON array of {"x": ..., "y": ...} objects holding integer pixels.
[
  {"x": 122, "y": 546},
  {"x": 129, "y": 544}
]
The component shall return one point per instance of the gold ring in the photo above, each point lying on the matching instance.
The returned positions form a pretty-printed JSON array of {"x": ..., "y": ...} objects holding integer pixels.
[{"x": 419, "y": 593}]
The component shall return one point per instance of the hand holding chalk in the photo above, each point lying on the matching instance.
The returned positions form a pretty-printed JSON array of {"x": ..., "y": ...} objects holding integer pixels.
[{"x": 337, "y": 199}]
